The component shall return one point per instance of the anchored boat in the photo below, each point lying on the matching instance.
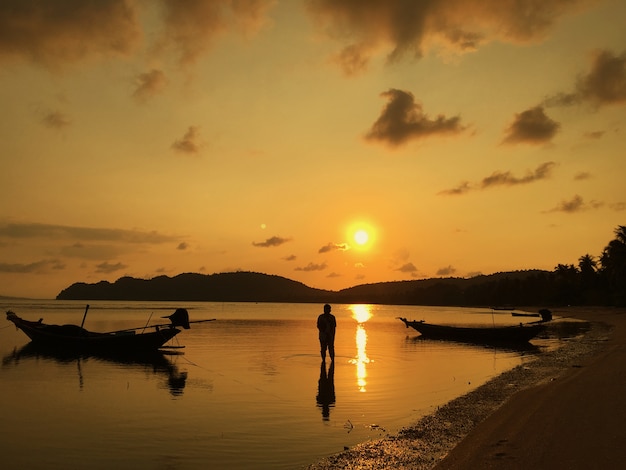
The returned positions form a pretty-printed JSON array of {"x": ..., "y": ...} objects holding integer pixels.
[
  {"x": 494, "y": 334},
  {"x": 77, "y": 338}
]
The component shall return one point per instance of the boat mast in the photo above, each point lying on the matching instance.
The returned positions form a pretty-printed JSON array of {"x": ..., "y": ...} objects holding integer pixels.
[{"x": 84, "y": 316}]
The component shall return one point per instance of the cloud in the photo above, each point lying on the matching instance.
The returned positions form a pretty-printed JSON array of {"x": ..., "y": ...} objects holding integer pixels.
[
  {"x": 290, "y": 258},
  {"x": 499, "y": 178},
  {"x": 409, "y": 27},
  {"x": 189, "y": 142},
  {"x": 334, "y": 247},
  {"x": 583, "y": 175},
  {"x": 312, "y": 267},
  {"x": 91, "y": 251},
  {"x": 55, "y": 33},
  {"x": 605, "y": 84},
  {"x": 56, "y": 120},
  {"x": 447, "y": 271},
  {"x": 190, "y": 27},
  {"x": 576, "y": 204},
  {"x": 149, "y": 84},
  {"x": 532, "y": 126},
  {"x": 36, "y": 267},
  {"x": 407, "y": 268},
  {"x": 402, "y": 119},
  {"x": 62, "y": 31},
  {"x": 182, "y": 246},
  {"x": 594, "y": 135},
  {"x": 63, "y": 232},
  {"x": 618, "y": 206},
  {"x": 272, "y": 241},
  {"x": 108, "y": 268}
]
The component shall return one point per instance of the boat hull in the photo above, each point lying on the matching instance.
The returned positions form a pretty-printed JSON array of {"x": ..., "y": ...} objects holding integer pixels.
[{"x": 503, "y": 334}]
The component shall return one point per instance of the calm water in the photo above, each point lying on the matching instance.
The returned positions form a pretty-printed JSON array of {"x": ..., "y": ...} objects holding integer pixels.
[{"x": 249, "y": 392}]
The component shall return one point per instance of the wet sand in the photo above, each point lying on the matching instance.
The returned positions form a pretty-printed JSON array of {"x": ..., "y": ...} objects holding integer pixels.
[{"x": 566, "y": 409}]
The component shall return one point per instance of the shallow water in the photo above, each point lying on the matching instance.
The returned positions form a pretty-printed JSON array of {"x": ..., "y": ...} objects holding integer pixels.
[{"x": 250, "y": 390}]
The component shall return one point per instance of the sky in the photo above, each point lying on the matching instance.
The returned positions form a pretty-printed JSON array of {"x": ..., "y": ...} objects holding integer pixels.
[{"x": 456, "y": 137}]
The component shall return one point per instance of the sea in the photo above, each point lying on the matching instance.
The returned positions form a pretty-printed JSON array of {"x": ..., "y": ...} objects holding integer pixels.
[{"x": 246, "y": 390}]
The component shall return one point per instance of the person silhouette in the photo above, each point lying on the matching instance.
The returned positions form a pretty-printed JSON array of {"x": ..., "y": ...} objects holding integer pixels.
[
  {"x": 326, "y": 390},
  {"x": 326, "y": 324}
]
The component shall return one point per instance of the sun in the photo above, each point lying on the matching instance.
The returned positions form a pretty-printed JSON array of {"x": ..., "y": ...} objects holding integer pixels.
[{"x": 361, "y": 237}]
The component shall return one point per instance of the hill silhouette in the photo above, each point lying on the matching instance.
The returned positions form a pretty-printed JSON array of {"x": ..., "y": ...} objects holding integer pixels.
[
  {"x": 258, "y": 287},
  {"x": 595, "y": 281}
]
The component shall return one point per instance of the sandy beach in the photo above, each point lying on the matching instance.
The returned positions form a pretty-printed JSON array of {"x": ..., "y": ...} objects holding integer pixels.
[{"x": 566, "y": 409}]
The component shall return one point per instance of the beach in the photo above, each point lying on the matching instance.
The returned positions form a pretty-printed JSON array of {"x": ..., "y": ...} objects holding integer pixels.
[{"x": 566, "y": 409}]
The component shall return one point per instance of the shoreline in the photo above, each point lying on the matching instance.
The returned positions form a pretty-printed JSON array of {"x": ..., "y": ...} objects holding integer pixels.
[{"x": 450, "y": 438}]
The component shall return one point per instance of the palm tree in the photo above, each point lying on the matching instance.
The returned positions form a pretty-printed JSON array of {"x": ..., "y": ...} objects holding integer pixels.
[{"x": 613, "y": 265}]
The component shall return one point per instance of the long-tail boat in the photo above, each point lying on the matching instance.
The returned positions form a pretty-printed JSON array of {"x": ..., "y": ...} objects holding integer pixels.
[
  {"x": 76, "y": 338},
  {"x": 521, "y": 333}
]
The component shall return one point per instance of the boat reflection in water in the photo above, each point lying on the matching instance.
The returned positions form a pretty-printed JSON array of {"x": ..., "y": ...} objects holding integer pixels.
[
  {"x": 157, "y": 362},
  {"x": 361, "y": 313}
]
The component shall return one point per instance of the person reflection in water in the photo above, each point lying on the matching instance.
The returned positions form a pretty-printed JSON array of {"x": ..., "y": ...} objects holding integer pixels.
[
  {"x": 326, "y": 390},
  {"x": 326, "y": 325}
]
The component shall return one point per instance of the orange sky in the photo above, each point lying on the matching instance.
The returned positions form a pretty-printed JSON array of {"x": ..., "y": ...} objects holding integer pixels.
[{"x": 153, "y": 138}]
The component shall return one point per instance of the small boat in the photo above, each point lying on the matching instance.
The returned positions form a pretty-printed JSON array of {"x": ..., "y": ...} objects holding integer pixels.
[
  {"x": 77, "y": 338},
  {"x": 488, "y": 334},
  {"x": 544, "y": 313}
]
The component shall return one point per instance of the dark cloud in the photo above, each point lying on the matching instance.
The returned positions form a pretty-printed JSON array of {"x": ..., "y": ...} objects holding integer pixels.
[
  {"x": 407, "y": 268},
  {"x": 403, "y": 119},
  {"x": 189, "y": 143},
  {"x": 56, "y": 120},
  {"x": 290, "y": 258},
  {"x": 107, "y": 268},
  {"x": 272, "y": 241},
  {"x": 532, "y": 126},
  {"x": 56, "y": 32},
  {"x": 447, "y": 271},
  {"x": 36, "y": 267},
  {"x": 149, "y": 84},
  {"x": 576, "y": 204},
  {"x": 334, "y": 247},
  {"x": 605, "y": 84},
  {"x": 190, "y": 27},
  {"x": 182, "y": 246},
  {"x": 462, "y": 188},
  {"x": 499, "y": 178},
  {"x": 312, "y": 267},
  {"x": 60, "y": 31},
  {"x": 62, "y": 232},
  {"x": 409, "y": 27},
  {"x": 583, "y": 175}
]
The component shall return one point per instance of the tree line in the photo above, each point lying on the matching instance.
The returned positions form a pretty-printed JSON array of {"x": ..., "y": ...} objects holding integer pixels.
[{"x": 593, "y": 281}]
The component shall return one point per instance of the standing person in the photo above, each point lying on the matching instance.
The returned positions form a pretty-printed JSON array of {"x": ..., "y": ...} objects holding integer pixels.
[{"x": 326, "y": 325}]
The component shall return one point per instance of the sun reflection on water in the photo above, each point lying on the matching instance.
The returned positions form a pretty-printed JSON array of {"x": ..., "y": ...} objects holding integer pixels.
[{"x": 361, "y": 313}]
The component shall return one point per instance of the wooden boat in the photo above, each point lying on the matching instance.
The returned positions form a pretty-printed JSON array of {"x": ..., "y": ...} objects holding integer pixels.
[
  {"x": 76, "y": 338},
  {"x": 544, "y": 313},
  {"x": 496, "y": 334}
]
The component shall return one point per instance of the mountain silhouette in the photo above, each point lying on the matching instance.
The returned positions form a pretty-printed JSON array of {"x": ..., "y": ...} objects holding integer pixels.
[{"x": 495, "y": 289}]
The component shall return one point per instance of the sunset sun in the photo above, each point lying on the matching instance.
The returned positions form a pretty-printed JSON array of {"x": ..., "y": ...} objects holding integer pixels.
[{"x": 361, "y": 237}]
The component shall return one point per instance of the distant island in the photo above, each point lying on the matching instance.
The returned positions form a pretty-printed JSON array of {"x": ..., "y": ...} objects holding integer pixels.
[{"x": 533, "y": 287}]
